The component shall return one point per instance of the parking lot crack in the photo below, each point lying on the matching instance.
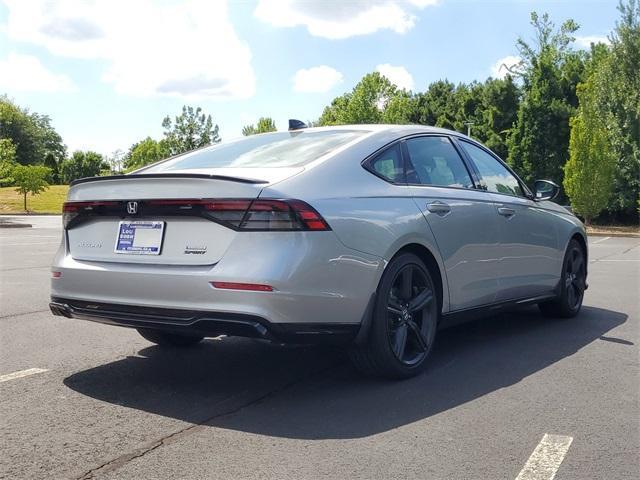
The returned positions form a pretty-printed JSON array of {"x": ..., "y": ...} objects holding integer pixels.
[{"x": 124, "y": 459}]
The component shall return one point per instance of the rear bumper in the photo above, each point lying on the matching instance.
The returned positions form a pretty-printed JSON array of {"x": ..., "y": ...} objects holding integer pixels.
[
  {"x": 315, "y": 280},
  {"x": 204, "y": 323}
]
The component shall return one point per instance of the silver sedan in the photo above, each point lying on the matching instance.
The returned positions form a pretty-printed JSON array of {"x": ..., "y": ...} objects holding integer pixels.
[{"x": 374, "y": 236}]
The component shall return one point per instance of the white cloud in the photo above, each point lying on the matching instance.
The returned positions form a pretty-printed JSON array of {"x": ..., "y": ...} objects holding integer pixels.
[
  {"x": 399, "y": 75},
  {"x": 502, "y": 66},
  {"x": 25, "y": 73},
  {"x": 338, "y": 20},
  {"x": 316, "y": 79},
  {"x": 586, "y": 41},
  {"x": 186, "y": 49}
]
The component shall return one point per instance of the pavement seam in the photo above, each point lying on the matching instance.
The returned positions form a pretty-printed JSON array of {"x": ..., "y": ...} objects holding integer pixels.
[
  {"x": 614, "y": 254},
  {"x": 22, "y": 268},
  {"x": 24, "y": 313},
  {"x": 122, "y": 460}
]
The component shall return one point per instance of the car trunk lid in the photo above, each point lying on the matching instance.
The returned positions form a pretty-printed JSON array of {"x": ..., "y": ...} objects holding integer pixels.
[{"x": 164, "y": 219}]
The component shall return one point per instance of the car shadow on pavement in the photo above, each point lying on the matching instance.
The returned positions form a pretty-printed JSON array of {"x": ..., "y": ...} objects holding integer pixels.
[{"x": 314, "y": 393}]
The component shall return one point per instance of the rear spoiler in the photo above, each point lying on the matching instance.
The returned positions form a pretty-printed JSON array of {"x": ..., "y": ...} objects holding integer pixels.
[{"x": 167, "y": 175}]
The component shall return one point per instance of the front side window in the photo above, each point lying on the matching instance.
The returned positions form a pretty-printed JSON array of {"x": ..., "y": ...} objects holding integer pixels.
[
  {"x": 271, "y": 150},
  {"x": 435, "y": 161},
  {"x": 495, "y": 177},
  {"x": 388, "y": 164}
]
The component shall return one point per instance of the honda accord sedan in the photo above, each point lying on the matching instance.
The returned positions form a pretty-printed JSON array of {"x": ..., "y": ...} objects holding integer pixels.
[{"x": 374, "y": 236}]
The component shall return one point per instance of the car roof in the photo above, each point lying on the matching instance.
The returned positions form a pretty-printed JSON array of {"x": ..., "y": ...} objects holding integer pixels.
[{"x": 401, "y": 130}]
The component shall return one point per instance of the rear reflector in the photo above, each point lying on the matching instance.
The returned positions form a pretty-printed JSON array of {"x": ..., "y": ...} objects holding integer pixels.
[
  {"x": 56, "y": 274},
  {"x": 255, "y": 287}
]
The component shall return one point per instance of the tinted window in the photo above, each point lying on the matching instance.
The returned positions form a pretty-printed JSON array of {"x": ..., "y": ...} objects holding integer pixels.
[
  {"x": 435, "y": 161},
  {"x": 280, "y": 149},
  {"x": 388, "y": 164},
  {"x": 495, "y": 177}
]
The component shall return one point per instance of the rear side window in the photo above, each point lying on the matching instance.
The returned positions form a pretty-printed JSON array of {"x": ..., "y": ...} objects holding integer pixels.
[
  {"x": 435, "y": 161},
  {"x": 279, "y": 149},
  {"x": 495, "y": 177},
  {"x": 388, "y": 164}
]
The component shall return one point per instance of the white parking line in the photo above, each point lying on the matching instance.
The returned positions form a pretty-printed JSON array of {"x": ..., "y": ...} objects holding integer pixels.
[
  {"x": 600, "y": 241},
  {"x": 21, "y": 373},
  {"x": 546, "y": 458},
  {"x": 618, "y": 260},
  {"x": 29, "y": 243}
]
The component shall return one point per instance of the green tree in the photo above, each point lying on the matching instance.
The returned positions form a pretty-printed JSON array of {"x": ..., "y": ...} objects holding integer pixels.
[
  {"x": 82, "y": 164},
  {"x": 496, "y": 114},
  {"x": 116, "y": 162},
  {"x": 264, "y": 125},
  {"x": 588, "y": 178},
  {"x": 30, "y": 179},
  {"x": 539, "y": 142},
  {"x": 189, "y": 130},
  {"x": 437, "y": 106},
  {"x": 366, "y": 103},
  {"x": 36, "y": 141},
  {"x": 399, "y": 109},
  {"x": 620, "y": 99},
  {"x": 145, "y": 152},
  {"x": 7, "y": 161}
]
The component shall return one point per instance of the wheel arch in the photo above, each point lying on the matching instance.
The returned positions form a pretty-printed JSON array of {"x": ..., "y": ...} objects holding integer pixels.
[
  {"x": 582, "y": 241},
  {"x": 435, "y": 269},
  {"x": 430, "y": 261},
  {"x": 579, "y": 237}
]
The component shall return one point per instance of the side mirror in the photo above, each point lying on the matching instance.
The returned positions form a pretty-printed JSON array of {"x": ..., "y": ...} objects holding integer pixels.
[{"x": 545, "y": 190}]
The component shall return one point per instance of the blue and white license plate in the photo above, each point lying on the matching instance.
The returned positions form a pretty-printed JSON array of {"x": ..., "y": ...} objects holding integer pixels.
[{"x": 140, "y": 237}]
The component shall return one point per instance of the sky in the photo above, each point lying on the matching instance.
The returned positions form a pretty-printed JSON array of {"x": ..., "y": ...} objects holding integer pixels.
[{"x": 108, "y": 71}]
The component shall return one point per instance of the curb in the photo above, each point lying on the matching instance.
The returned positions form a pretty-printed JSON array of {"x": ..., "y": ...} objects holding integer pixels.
[
  {"x": 29, "y": 214},
  {"x": 15, "y": 225},
  {"x": 613, "y": 234}
]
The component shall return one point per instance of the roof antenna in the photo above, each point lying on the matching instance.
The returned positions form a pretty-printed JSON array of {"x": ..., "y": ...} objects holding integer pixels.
[{"x": 296, "y": 124}]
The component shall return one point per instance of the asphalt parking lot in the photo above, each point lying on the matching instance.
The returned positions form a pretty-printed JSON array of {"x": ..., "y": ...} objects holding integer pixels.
[{"x": 82, "y": 400}]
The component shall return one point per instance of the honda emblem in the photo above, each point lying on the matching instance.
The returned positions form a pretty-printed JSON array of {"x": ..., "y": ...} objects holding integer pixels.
[{"x": 132, "y": 208}]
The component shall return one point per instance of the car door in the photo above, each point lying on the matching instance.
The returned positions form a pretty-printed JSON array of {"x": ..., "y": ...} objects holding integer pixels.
[
  {"x": 462, "y": 218},
  {"x": 529, "y": 262}
]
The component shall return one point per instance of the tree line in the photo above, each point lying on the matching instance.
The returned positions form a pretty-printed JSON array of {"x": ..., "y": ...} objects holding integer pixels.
[{"x": 562, "y": 113}]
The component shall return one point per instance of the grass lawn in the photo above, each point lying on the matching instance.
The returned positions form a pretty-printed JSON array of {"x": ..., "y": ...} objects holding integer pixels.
[{"x": 49, "y": 201}]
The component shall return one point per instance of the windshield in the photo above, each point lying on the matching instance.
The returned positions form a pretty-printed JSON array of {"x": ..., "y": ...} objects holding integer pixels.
[{"x": 279, "y": 149}]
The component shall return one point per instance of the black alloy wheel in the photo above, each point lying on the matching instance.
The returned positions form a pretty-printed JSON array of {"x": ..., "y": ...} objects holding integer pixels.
[
  {"x": 575, "y": 278},
  {"x": 404, "y": 321},
  {"x": 573, "y": 283},
  {"x": 410, "y": 314}
]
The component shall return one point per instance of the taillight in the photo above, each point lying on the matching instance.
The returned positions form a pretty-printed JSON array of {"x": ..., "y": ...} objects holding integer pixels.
[
  {"x": 266, "y": 214},
  {"x": 249, "y": 214},
  {"x": 244, "y": 214},
  {"x": 71, "y": 210}
]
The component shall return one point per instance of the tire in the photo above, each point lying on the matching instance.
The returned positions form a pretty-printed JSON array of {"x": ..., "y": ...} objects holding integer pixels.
[
  {"x": 166, "y": 339},
  {"x": 572, "y": 285},
  {"x": 404, "y": 322}
]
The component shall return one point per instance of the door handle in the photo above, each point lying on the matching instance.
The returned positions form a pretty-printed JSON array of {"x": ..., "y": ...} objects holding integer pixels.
[
  {"x": 506, "y": 212},
  {"x": 439, "y": 208}
]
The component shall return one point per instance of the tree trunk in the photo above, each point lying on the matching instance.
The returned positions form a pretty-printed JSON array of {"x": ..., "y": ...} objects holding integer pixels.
[
  {"x": 25, "y": 201},
  {"x": 587, "y": 221}
]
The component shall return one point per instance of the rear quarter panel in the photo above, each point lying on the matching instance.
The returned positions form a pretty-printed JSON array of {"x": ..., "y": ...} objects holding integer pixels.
[{"x": 366, "y": 213}]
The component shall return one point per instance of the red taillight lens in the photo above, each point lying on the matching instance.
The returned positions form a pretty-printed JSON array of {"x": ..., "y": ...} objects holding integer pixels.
[
  {"x": 266, "y": 214},
  {"x": 255, "y": 287},
  {"x": 71, "y": 210}
]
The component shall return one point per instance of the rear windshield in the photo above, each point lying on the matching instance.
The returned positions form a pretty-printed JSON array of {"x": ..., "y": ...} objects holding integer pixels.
[{"x": 279, "y": 149}]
